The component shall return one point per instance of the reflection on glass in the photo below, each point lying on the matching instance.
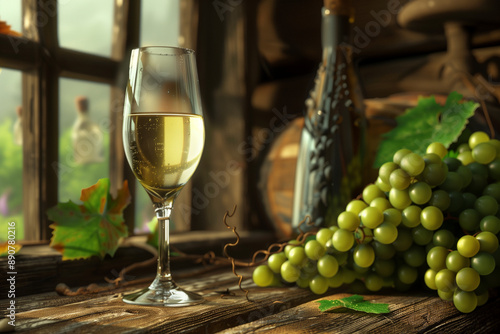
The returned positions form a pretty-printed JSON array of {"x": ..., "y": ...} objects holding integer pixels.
[
  {"x": 86, "y": 26},
  {"x": 83, "y": 136},
  {"x": 11, "y": 153}
]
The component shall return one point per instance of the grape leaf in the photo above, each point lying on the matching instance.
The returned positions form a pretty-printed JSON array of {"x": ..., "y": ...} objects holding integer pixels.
[
  {"x": 4, "y": 248},
  {"x": 426, "y": 123},
  {"x": 92, "y": 228},
  {"x": 354, "y": 302}
]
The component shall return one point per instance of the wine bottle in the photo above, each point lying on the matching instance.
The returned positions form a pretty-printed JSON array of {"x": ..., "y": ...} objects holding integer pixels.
[
  {"x": 86, "y": 135},
  {"x": 330, "y": 161}
]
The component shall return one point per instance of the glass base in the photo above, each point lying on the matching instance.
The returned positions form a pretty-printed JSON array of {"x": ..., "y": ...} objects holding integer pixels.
[{"x": 163, "y": 293}]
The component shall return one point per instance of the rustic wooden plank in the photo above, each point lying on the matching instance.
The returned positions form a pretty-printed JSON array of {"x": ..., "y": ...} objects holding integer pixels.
[{"x": 410, "y": 313}]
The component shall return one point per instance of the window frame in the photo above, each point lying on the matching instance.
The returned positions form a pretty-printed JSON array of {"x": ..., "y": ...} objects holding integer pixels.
[{"x": 43, "y": 62}]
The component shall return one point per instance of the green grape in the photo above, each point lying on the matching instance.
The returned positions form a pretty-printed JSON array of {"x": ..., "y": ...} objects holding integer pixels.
[
  {"x": 407, "y": 274},
  {"x": 455, "y": 262},
  {"x": 484, "y": 153},
  {"x": 385, "y": 187},
  {"x": 297, "y": 256},
  {"x": 381, "y": 203},
  {"x": 453, "y": 182},
  {"x": 410, "y": 216},
  {"x": 420, "y": 193},
  {"x": 404, "y": 240},
  {"x": 263, "y": 276},
  {"x": 318, "y": 285},
  {"x": 385, "y": 171},
  {"x": 371, "y": 217},
  {"x": 469, "y": 200},
  {"x": 465, "y": 301},
  {"x": 440, "y": 199},
  {"x": 348, "y": 275},
  {"x": 466, "y": 175},
  {"x": 399, "y": 179},
  {"x": 385, "y": 233},
  {"x": 484, "y": 263},
  {"x": 383, "y": 251},
  {"x": 324, "y": 235},
  {"x": 430, "y": 279},
  {"x": 374, "y": 282},
  {"x": 452, "y": 163},
  {"x": 488, "y": 242},
  {"x": 469, "y": 219},
  {"x": 437, "y": 148},
  {"x": 415, "y": 256},
  {"x": 490, "y": 224},
  {"x": 494, "y": 169},
  {"x": 421, "y": 235},
  {"x": 468, "y": 246},
  {"x": 341, "y": 257},
  {"x": 496, "y": 145},
  {"x": 342, "y": 240},
  {"x": 371, "y": 192},
  {"x": 477, "y": 138},
  {"x": 456, "y": 202},
  {"x": 310, "y": 269},
  {"x": 275, "y": 261},
  {"x": 436, "y": 258},
  {"x": 413, "y": 164},
  {"x": 448, "y": 295},
  {"x": 328, "y": 266},
  {"x": 478, "y": 183},
  {"x": 392, "y": 216},
  {"x": 399, "y": 155},
  {"x": 445, "y": 280},
  {"x": 303, "y": 282},
  {"x": 482, "y": 298},
  {"x": 356, "y": 206},
  {"x": 478, "y": 169},
  {"x": 435, "y": 174},
  {"x": 336, "y": 281},
  {"x": 384, "y": 268},
  {"x": 400, "y": 199},
  {"x": 348, "y": 221},
  {"x": 467, "y": 279},
  {"x": 431, "y": 218},
  {"x": 465, "y": 158},
  {"x": 444, "y": 238},
  {"x": 486, "y": 205},
  {"x": 314, "y": 250},
  {"x": 364, "y": 255},
  {"x": 464, "y": 147},
  {"x": 493, "y": 190},
  {"x": 291, "y": 244},
  {"x": 432, "y": 158},
  {"x": 289, "y": 272},
  {"x": 360, "y": 271},
  {"x": 363, "y": 235}
]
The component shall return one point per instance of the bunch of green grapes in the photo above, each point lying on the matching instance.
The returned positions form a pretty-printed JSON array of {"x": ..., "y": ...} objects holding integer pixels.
[{"x": 426, "y": 215}]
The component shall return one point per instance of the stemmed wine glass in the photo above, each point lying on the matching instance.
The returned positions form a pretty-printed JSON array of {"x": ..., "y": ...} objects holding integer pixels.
[{"x": 163, "y": 138}]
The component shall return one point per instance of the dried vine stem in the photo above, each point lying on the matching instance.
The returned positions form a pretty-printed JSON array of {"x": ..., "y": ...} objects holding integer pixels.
[{"x": 233, "y": 262}]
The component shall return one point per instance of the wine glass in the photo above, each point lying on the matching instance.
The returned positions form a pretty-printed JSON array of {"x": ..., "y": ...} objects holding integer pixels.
[{"x": 163, "y": 138}]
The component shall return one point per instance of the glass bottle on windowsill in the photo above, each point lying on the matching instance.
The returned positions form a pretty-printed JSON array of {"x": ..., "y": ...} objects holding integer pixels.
[
  {"x": 86, "y": 136},
  {"x": 330, "y": 167}
]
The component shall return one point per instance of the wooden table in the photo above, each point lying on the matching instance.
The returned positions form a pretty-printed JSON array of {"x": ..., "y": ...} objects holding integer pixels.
[{"x": 271, "y": 310}]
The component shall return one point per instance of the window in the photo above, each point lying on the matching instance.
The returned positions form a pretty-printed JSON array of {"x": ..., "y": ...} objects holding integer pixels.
[{"x": 66, "y": 60}]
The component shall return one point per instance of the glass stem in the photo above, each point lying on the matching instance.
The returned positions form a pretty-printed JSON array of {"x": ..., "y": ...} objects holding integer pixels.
[{"x": 163, "y": 214}]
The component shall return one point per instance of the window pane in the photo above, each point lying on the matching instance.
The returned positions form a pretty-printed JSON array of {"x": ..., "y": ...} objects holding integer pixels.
[
  {"x": 159, "y": 22},
  {"x": 10, "y": 17},
  {"x": 86, "y": 25},
  {"x": 83, "y": 136},
  {"x": 11, "y": 153}
]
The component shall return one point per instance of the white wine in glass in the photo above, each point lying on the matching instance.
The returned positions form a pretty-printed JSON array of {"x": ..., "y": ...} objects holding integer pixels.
[{"x": 163, "y": 138}]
